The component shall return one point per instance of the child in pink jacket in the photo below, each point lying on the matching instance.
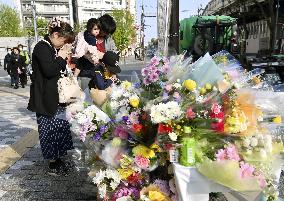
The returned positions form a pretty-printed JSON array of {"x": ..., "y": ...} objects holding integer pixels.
[{"x": 85, "y": 44}]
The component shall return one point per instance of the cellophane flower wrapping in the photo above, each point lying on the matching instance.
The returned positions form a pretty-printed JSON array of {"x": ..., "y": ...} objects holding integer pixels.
[{"x": 211, "y": 114}]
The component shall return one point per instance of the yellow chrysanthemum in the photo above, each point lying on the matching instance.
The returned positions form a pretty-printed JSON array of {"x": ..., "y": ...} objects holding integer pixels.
[
  {"x": 277, "y": 120},
  {"x": 125, "y": 161},
  {"x": 155, "y": 147},
  {"x": 116, "y": 142},
  {"x": 126, "y": 84},
  {"x": 232, "y": 121},
  {"x": 190, "y": 85},
  {"x": 202, "y": 91},
  {"x": 208, "y": 87},
  {"x": 125, "y": 173},
  {"x": 134, "y": 102},
  {"x": 156, "y": 196},
  {"x": 143, "y": 151}
]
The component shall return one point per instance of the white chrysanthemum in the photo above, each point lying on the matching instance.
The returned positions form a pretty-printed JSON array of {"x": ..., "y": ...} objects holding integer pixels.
[
  {"x": 164, "y": 112},
  {"x": 144, "y": 198},
  {"x": 253, "y": 142},
  {"x": 173, "y": 136},
  {"x": 117, "y": 93},
  {"x": 246, "y": 142},
  {"x": 81, "y": 118},
  {"x": 124, "y": 198},
  {"x": 99, "y": 177},
  {"x": 177, "y": 85},
  {"x": 102, "y": 190}
]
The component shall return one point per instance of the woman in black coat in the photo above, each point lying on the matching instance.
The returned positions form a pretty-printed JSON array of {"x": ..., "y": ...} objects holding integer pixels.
[
  {"x": 17, "y": 62},
  {"x": 48, "y": 59}
]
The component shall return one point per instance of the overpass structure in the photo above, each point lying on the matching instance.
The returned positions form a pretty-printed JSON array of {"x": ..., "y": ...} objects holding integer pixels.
[{"x": 260, "y": 23}]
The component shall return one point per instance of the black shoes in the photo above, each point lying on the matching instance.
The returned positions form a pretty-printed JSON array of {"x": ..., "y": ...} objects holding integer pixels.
[
  {"x": 16, "y": 87},
  {"x": 58, "y": 168}
]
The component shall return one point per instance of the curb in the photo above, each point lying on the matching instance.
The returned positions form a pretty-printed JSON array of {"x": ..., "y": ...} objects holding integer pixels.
[{"x": 12, "y": 153}]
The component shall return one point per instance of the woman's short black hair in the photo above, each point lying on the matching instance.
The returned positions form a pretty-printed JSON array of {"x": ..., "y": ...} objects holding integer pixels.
[
  {"x": 108, "y": 24},
  {"x": 91, "y": 23}
]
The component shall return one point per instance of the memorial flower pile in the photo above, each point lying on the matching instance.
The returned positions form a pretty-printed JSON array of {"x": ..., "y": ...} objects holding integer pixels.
[{"x": 214, "y": 116}]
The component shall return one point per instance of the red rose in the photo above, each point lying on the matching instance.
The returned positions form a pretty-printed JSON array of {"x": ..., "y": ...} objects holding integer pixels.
[
  {"x": 164, "y": 129},
  {"x": 137, "y": 127}
]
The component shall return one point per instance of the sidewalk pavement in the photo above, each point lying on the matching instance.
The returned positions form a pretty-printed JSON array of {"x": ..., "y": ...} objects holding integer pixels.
[{"x": 22, "y": 168}]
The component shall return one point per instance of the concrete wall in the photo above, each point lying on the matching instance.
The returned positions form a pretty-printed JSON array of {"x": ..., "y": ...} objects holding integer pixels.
[{"x": 13, "y": 42}]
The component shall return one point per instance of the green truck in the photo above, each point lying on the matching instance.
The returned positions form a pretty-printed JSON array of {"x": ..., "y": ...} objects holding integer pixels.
[{"x": 202, "y": 34}]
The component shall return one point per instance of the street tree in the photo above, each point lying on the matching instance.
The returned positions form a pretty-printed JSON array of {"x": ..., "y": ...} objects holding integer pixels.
[
  {"x": 42, "y": 27},
  {"x": 9, "y": 22},
  {"x": 125, "y": 33}
]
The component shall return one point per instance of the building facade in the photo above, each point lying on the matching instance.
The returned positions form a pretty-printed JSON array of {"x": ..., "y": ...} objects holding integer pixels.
[
  {"x": 87, "y": 9},
  {"x": 78, "y": 11},
  {"x": 45, "y": 9}
]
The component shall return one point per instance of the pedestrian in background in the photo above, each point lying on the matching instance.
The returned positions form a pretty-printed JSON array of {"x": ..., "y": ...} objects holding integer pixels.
[
  {"x": 17, "y": 63},
  {"x": 7, "y": 58},
  {"x": 49, "y": 58},
  {"x": 23, "y": 75},
  {"x": 7, "y": 62}
]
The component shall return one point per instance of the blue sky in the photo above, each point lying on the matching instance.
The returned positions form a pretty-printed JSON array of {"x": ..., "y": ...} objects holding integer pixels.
[
  {"x": 186, "y": 7},
  {"x": 9, "y": 2}
]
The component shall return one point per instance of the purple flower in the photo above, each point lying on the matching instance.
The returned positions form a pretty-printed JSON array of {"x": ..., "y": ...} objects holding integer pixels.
[
  {"x": 155, "y": 61},
  {"x": 177, "y": 97},
  {"x": 163, "y": 186},
  {"x": 97, "y": 136},
  {"x": 153, "y": 77},
  {"x": 165, "y": 96},
  {"x": 146, "y": 81},
  {"x": 120, "y": 132},
  {"x": 144, "y": 72},
  {"x": 137, "y": 85}
]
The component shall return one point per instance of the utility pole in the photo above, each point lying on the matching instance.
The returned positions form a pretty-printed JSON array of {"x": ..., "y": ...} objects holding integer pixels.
[
  {"x": 276, "y": 27},
  {"x": 142, "y": 30},
  {"x": 35, "y": 19},
  {"x": 163, "y": 21},
  {"x": 174, "y": 27}
]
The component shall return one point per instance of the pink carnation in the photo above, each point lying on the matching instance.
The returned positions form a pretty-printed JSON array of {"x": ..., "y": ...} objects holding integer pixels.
[
  {"x": 216, "y": 109},
  {"x": 142, "y": 162},
  {"x": 246, "y": 170},
  {"x": 221, "y": 155},
  {"x": 189, "y": 113},
  {"x": 232, "y": 153}
]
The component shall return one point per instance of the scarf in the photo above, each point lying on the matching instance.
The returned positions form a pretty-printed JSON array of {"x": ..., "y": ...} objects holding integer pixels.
[{"x": 90, "y": 39}]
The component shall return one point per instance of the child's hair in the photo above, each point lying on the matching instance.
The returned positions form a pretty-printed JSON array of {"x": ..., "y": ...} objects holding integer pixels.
[
  {"x": 63, "y": 28},
  {"x": 15, "y": 48},
  {"x": 108, "y": 24},
  {"x": 91, "y": 23}
]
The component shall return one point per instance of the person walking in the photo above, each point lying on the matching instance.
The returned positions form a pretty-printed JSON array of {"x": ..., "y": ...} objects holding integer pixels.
[
  {"x": 16, "y": 64},
  {"x": 49, "y": 59},
  {"x": 7, "y": 62},
  {"x": 7, "y": 58},
  {"x": 23, "y": 75}
]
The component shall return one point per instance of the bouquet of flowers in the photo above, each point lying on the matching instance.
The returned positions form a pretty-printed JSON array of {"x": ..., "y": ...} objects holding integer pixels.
[{"x": 208, "y": 117}]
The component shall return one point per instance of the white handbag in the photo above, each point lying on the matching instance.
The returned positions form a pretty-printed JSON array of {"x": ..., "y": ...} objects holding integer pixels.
[{"x": 68, "y": 89}]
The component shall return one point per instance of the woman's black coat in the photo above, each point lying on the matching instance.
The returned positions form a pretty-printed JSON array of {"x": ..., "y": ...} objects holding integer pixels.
[
  {"x": 17, "y": 61},
  {"x": 46, "y": 67}
]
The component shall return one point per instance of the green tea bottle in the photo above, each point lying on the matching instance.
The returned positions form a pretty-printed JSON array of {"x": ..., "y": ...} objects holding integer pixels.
[{"x": 187, "y": 151}]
